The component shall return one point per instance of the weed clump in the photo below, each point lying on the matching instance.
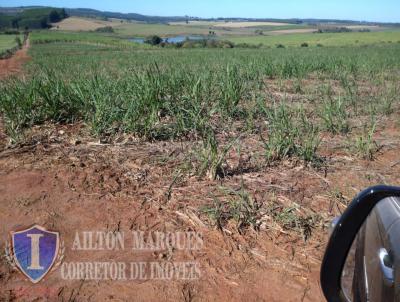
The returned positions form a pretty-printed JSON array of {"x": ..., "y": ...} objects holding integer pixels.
[
  {"x": 232, "y": 90},
  {"x": 290, "y": 134},
  {"x": 240, "y": 207},
  {"x": 334, "y": 116},
  {"x": 365, "y": 146}
]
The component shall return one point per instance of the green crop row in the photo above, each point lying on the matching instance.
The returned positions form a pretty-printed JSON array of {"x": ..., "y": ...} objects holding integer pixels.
[{"x": 167, "y": 94}]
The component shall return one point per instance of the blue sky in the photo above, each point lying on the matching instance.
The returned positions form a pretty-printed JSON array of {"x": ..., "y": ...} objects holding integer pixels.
[{"x": 369, "y": 10}]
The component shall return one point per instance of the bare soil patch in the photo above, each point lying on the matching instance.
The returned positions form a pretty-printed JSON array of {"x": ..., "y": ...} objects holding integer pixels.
[
  {"x": 65, "y": 180},
  {"x": 248, "y": 24},
  {"x": 88, "y": 186},
  {"x": 82, "y": 24}
]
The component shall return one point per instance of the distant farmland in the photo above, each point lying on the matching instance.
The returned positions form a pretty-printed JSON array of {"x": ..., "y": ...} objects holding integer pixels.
[
  {"x": 7, "y": 42},
  {"x": 325, "y": 39},
  {"x": 248, "y": 24},
  {"x": 82, "y": 24},
  {"x": 230, "y": 24}
]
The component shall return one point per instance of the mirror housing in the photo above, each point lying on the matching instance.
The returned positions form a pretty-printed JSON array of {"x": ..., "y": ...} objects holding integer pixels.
[{"x": 343, "y": 235}]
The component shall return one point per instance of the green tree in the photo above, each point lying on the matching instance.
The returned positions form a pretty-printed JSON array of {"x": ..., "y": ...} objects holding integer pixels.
[
  {"x": 63, "y": 14},
  {"x": 153, "y": 40},
  {"x": 19, "y": 42},
  {"x": 54, "y": 16}
]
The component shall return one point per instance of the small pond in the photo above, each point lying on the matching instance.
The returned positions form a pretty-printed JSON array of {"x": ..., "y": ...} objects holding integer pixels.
[{"x": 175, "y": 39}]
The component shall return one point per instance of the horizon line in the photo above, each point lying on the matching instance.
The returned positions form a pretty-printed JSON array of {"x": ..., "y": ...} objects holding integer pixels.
[{"x": 219, "y": 17}]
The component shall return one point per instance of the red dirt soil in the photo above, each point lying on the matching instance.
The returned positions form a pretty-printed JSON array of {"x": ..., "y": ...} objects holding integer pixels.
[
  {"x": 65, "y": 181},
  {"x": 69, "y": 187}
]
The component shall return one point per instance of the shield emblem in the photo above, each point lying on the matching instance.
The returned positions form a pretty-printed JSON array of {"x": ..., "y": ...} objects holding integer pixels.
[{"x": 35, "y": 251}]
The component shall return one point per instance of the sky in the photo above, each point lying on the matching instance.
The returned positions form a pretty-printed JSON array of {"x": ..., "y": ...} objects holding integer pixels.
[{"x": 361, "y": 10}]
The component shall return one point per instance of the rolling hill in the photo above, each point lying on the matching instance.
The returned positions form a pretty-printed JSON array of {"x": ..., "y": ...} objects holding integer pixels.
[
  {"x": 7, "y": 13},
  {"x": 30, "y": 18}
]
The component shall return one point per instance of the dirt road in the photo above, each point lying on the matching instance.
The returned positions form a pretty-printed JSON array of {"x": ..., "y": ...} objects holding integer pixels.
[{"x": 14, "y": 64}]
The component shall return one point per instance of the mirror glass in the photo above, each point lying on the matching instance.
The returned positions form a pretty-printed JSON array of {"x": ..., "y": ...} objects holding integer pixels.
[{"x": 368, "y": 274}]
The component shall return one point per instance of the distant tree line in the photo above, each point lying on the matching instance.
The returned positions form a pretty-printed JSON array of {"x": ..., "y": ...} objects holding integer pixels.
[
  {"x": 204, "y": 43},
  {"x": 105, "y": 29},
  {"x": 32, "y": 18},
  {"x": 341, "y": 30},
  {"x": 334, "y": 30}
]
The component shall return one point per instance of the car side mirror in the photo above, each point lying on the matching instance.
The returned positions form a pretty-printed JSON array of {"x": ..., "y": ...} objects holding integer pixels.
[{"x": 359, "y": 261}]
